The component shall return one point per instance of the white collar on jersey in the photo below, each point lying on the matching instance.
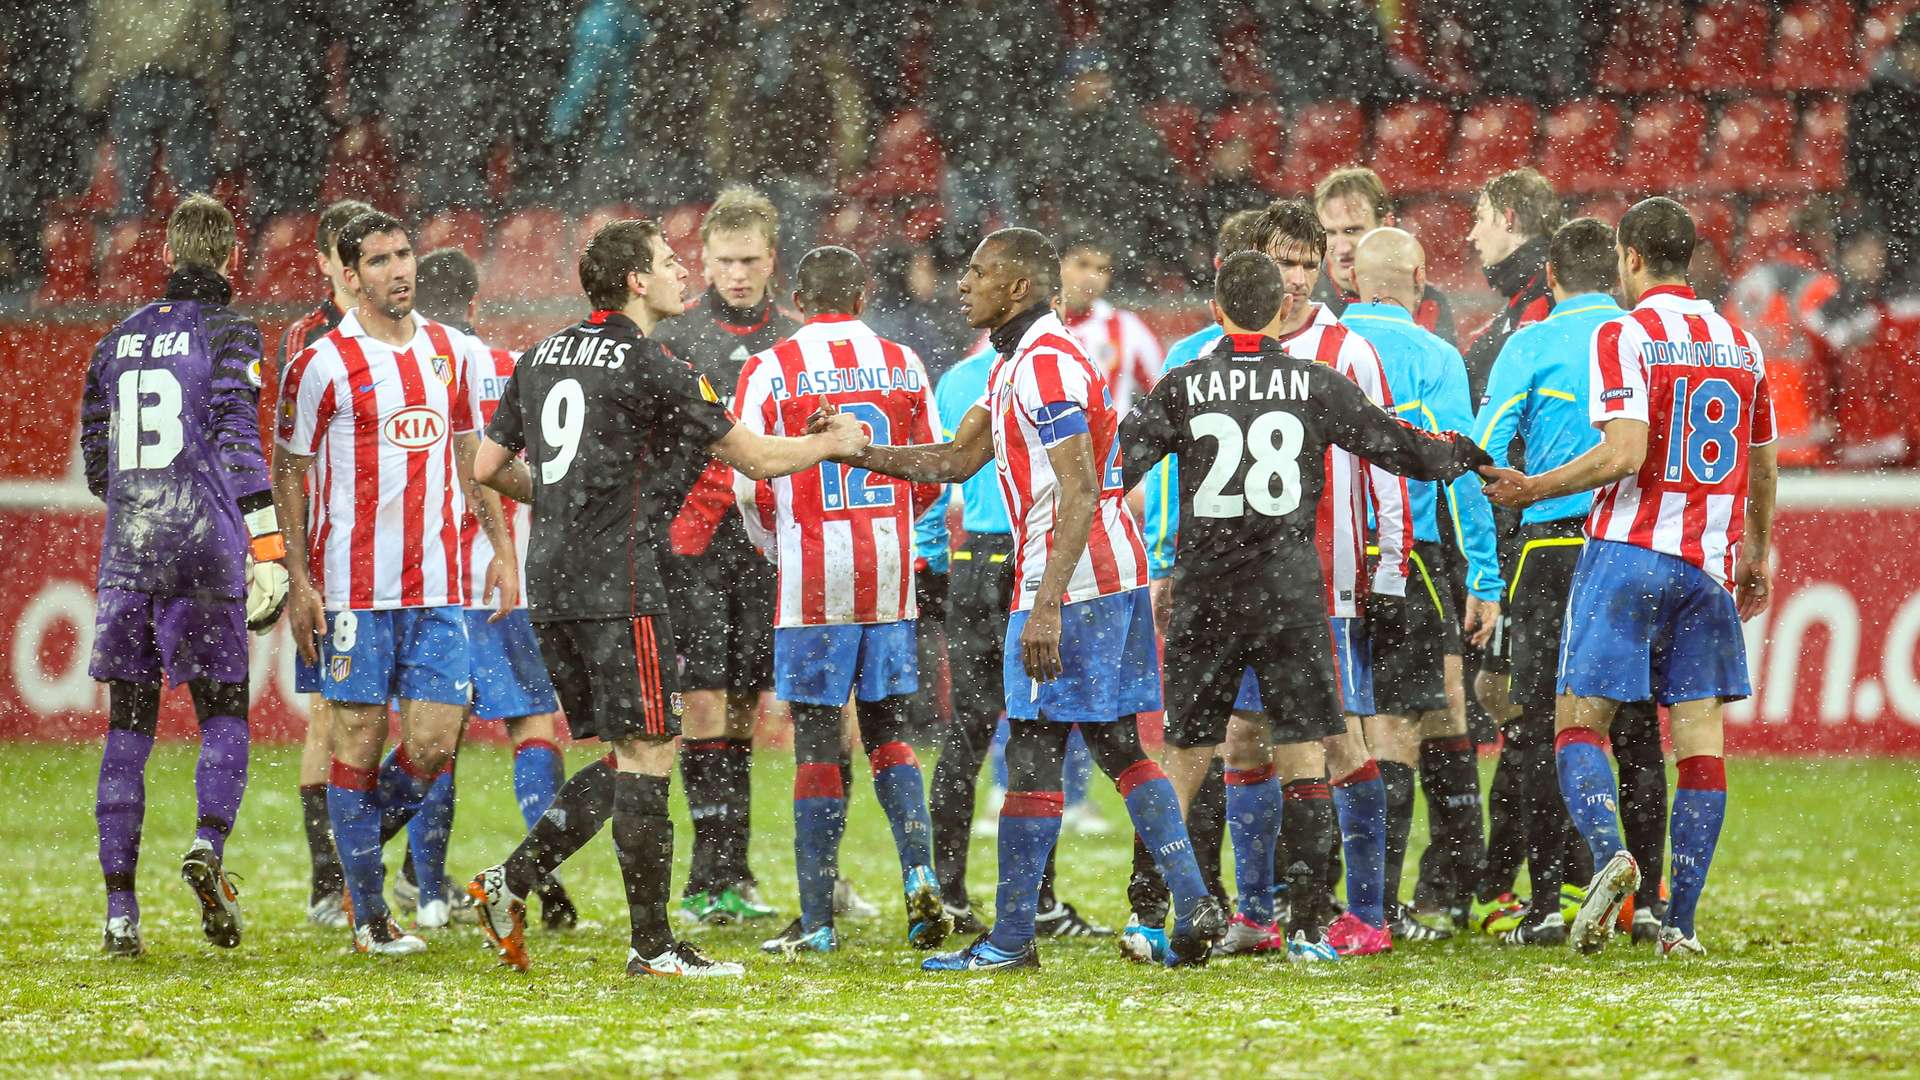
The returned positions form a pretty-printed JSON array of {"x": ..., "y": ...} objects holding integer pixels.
[
  {"x": 1666, "y": 300},
  {"x": 836, "y": 329},
  {"x": 350, "y": 327}
]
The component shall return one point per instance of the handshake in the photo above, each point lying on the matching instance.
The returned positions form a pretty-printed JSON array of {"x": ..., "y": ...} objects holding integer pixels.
[{"x": 850, "y": 436}]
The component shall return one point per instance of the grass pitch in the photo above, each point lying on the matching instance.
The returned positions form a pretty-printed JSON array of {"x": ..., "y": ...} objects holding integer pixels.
[{"x": 1809, "y": 916}]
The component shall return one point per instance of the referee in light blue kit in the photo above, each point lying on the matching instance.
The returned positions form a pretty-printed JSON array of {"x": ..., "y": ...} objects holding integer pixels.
[
  {"x": 978, "y": 586},
  {"x": 1537, "y": 392}
]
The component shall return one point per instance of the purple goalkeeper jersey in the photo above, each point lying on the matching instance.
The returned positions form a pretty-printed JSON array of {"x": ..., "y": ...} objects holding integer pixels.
[{"x": 171, "y": 436}]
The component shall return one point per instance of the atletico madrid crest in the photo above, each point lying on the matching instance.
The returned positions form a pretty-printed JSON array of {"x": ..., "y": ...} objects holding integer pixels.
[
  {"x": 443, "y": 367},
  {"x": 342, "y": 667}
]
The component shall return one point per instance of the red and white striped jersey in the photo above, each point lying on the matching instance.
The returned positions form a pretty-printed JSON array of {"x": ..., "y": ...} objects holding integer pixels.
[
  {"x": 1351, "y": 481},
  {"x": 1699, "y": 383},
  {"x": 842, "y": 537},
  {"x": 1122, "y": 347},
  {"x": 1044, "y": 392},
  {"x": 485, "y": 383},
  {"x": 384, "y": 419}
]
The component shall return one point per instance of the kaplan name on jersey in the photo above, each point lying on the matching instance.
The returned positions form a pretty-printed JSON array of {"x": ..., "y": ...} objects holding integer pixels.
[{"x": 1242, "y": 384}]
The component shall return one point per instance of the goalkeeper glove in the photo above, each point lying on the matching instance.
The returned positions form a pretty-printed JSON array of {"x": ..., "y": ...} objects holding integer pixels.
[{"x": 266, "y": 569}]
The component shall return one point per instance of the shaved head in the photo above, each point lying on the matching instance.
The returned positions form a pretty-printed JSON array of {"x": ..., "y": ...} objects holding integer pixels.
[
  {"x": 1390, "y": 264},
  {"x": 1029, "y": 254},
  {"x": 1012, "y": 271},
  {"x": 829, "y": 280}
]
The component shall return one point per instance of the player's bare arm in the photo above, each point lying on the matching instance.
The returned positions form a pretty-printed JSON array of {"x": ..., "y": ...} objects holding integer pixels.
[
  {"x": 1752, "y": 578},
  {"x": 763, "y": 457},
  {"x": 1079, "y": 489},
  {"x": 1622, "y": 450},
  {"x": 306, "y": 615},
  {"x": 502, "y": 470},
  {"x": 932, "y": 463},
  {"x": 503, "y": 572}
]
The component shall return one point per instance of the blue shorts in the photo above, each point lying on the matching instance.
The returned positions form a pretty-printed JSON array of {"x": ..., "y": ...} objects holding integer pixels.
[
  {"x": 1645, "y": 625},
  {"x": 1110, "y": 667},
  {"x": 139, "y": 637},
  {"x": 824, "y": 665},
  {"x": 509, "y": 676},
  {"x": 405, "y": 654},
  {"x": 306, "y": 677},
  {"x": 1352, "y": 663}
]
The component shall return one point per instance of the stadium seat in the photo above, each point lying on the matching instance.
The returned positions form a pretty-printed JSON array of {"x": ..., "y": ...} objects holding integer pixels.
[
  {"x": 1815, "y": 48},
  {"x": 1768, "y": 233},
  {"x": 284, "y": 270},
  {"x": 1713, "y": 224},
  {"x": 1729, "y": 50},
  {"x": 463, "y": 229},
  {"x": 1325, "y": 136},
  {"x": 597, "y": 218},
  {"x": 1178, "y": 125},
  {"x": 103, "y": 183},
  {"x": 1643, "y": 49},
  {"x": 361, "y": 166},
  {"x": 66, "y": 241},
  {"x": 1262, "y": 124},
  {"x": 859, "y": 224},
  {"x": 1664, "y": 149},
  {"x": 130, "y": 270},
  {"x": 1607, "y": 208},
  {"x": 1821, "y": 157},
  {"x": 1752, "y": 147},
  {"x": 1410, "y": 144},
  {"x": 1581, "y": 150},
  {"x": 1495, "y": 137},
  {"x": 681, "y": 227},
  {"x": 1878, "y": 26},
  {"x": 530, "y": 257},
  {"x": 906, "y": 158},
  {"x": 1442, "y": 226}
]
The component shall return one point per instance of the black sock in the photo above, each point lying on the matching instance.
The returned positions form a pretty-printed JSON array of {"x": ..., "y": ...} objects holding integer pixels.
[
  {"x": 327, "y": 876},
  {"x": 643, "y": 842},
  {"x": 1453, "y": 801},
  {"x": 1397, "y": 777},
  {"x": 737, "y": 819},
  {"x": 846, "y": 777},
  {"x": 1546, "y": 817},
  {"x": 703, "y": 774},
  {"x": 1306, "y": 833},
  {"x": 1207, "y": 827},
  {"x": 950, "y": 803},
  {"x": 1147, "y": 895},
  {"x": 584, "y": 803},
  {"x": 1643, "y": 795},
  {"x": 1047, "y": 899}
]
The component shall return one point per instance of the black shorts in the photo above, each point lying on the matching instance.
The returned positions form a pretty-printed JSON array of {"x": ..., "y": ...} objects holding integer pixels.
[
  {"x": 1496, "y": 656},
  {"x": 724, "y": 607},
  {"x": 1413, "y": 637},
  {"x": 979, "y": 595},
  {"x": 1209, "y": 656},
  {"x": 1537, "y": 601},
  {"x": 609, "y": 676}
]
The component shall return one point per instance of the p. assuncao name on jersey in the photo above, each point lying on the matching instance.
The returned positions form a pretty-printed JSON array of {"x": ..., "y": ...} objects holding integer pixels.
[
  {"x": 847, "y": 381},
  {"x": 1242, "y": 384}
]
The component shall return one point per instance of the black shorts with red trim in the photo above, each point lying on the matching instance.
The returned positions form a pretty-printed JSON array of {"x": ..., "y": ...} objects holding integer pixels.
[
  {"x": 616, "y": 678},
  {"x": 726, "y": 609},
  {"x": 1213, "y": 661}
]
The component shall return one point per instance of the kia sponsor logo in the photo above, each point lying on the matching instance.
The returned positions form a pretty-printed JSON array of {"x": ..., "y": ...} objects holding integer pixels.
[{"x": 415, "y": 427}]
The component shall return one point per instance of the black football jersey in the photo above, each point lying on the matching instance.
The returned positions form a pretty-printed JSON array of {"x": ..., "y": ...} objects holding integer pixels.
[
  {"x": 616, "y": 431},
  {"x": 1252, "y": 427}
]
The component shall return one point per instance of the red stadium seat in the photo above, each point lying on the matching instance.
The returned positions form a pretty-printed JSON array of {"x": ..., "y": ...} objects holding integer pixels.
[
  {"x": 1263, "y": 125},
  {"x": 595, "y": 219},
  {"x": 906, "y": 158},
  {"x": 530, "y": 257},
  {"x": 1607, "y": 208},
  {"x": 1179, "y": 127},
  {"x": 1752, "y": 147},
  {"x": 1729, "y": 51},
  {"x": 1664, "y": 150},
  {"x": 285, "y": 270},
  {"x": 1495, "y": 137},
  {"x": 1769, "y": 232},
  {"x": 1325, "y": 136},
  {"x": 1442, "y": 226},
  {"x": 66, "y": 239},
  {"x": 1821, "y": 156},
  {"x": 361, "y": 166},
  {"x": 1582, "y": 146},
  {"x": 1713, "y": 224},
  {"x": 463, "y": 229},
  {"x": 130, "y": 270},
  {"x": 681, "y": 226},
  {"x": 859, "y": 224},
  {"x": 1642, "y": 53},
  {"x": 1815, "y": 48},
  {"x": 1410, "y": 145}
]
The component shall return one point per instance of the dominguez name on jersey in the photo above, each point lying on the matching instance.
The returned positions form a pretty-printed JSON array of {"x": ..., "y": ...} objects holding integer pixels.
[
  {"x": 1243, "y": 384},
  {"x": 1698, "y": 354}
]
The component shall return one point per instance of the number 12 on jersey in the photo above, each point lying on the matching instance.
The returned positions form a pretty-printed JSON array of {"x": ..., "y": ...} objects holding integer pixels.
[{"x": 844, "y": 487}]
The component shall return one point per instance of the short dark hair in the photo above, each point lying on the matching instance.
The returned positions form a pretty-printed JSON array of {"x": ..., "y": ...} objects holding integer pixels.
[
  {"x": 617, "y": 249},
  {"x": 1236, "y": 233},
  {"x": 333, "y": 219},
  {"x": 1087, "y": 238},
  {"x": 1662, "y": 232},
  {"x": 1536, "y": 207},
  {"x": 355, "y": 233},
  {"x": 1032, "y": 253},
  {"x": 1582, "y": 256},
  {"x": 1291, "y": 220},
  {"x": 829, "y": 279},
  {"x": 1248, "y": 288},
  {"x": 445, "y": 283}
]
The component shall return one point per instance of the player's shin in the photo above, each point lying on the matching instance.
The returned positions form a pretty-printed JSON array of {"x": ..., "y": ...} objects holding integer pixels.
[
  {"x": 897, "y": 779},
  {"x": 1155, "y": 810},
  {"x": 1306, "y": 836},
  {"x": 429, "y": 833},
  {"x": 1396, "y": 781},
  {"x": 537, "y": 775},
  {"x": 1453, "y": 798},
  {"x": 1253, "y": 821},
  {"x": 703, "y": 775},
  {"x": 583, "y": 805},
  {"x": 354, "y": 808},
  {"x": 819, "y": 820},
  {"x": 120, "y": 800},
  {"x": 643, "y": 843},
  {"x": 1586, "y": 785},
  {"x": 1360, "y": 801},
  {"x": 220, "y": 775}
]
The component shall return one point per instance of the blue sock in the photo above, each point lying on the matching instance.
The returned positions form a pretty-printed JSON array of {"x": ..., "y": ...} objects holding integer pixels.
[
  {"x": 1586, "y": 783},
  {"x": 1699, "y": 806},
  {"x": 1077, "y": 773},
  {"x": 1155, "y": 810},
  {"x": 428, "y": 834},
  {"x": 997, "y": 753},
  {"x": 401, "y": 788},
  {"x": 819, "y": 820},
  {"x": 1029, "y": 827},
  {"x": 1253, "y": 822},
  {"x": 1360, "y": 803},
  {"x": 902, "y": 792},
  {"x": 537, "y": 766},
  {"x": 353, "y": 807}
]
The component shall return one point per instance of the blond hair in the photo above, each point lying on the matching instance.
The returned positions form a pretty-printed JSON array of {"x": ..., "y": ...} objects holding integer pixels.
[
  {"x": 1536, "y": 209},
  {"x": 200, "y": 233},
  {"x": 1354, "y": 181},
  {"x": 742, "y": 209}
]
